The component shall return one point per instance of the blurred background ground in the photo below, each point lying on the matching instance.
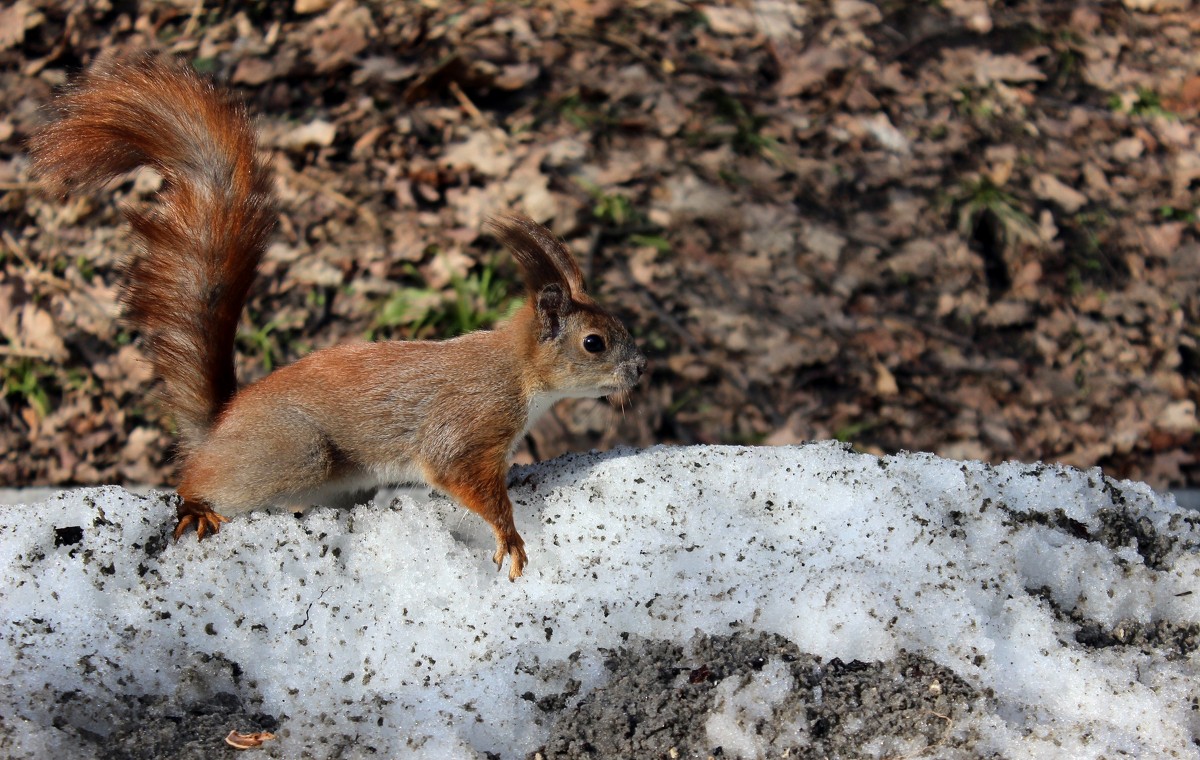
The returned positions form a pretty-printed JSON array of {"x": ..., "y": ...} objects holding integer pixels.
[{"x": 965, "y": 227}]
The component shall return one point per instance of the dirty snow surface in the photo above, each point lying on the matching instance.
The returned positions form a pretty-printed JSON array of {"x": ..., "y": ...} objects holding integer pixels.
[{"x": 754, "y": 600}]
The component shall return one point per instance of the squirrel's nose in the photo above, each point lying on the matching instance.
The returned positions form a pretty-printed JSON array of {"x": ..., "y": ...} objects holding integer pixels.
[{"x": 641, "y": 365}]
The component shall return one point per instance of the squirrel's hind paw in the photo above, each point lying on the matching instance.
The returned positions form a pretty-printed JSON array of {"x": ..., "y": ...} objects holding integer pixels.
[
  {"x": 512, "y": 547},
  {"x": 206, "y": 521}
]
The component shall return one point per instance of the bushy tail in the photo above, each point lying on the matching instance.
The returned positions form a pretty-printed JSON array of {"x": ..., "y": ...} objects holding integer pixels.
[{"x": 199, "y": 248}]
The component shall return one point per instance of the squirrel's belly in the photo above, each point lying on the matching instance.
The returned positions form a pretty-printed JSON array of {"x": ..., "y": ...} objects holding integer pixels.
[{"x": 334, "y": 493}]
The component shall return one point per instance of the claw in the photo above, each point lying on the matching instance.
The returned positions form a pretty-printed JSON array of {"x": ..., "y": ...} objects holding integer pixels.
[
  {"x": 514, "y": 549},
  {"x": 517, "y": 566},
  {"x": 182, "y": 526},
  {"x": 212, "y": 521},
  {"x": 206, "y": 521}
]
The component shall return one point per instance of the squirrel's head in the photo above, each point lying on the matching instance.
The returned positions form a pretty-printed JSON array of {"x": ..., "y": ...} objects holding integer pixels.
[{"x": 579, "y": 348}]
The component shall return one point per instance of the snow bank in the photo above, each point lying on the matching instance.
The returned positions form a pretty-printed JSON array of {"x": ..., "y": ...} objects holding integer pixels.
[{"x": 1061, "y": 602}]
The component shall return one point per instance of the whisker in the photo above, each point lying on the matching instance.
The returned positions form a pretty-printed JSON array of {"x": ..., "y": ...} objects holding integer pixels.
[{"x": 616, "y": 402}]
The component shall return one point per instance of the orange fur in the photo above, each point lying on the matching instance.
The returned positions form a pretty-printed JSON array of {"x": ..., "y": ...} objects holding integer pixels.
[
  {"x": 199, "y": 250},
  {"x": 349, "y": 417}
]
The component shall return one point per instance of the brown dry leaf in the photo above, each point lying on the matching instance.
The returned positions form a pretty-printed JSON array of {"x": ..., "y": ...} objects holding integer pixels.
[
  {"x": 565, "y": 151},
  {"x": 1026, "y": 281},
  {"x": 336, "y": 47},
  {"x": 1185, "y": 169},
  {"x": 881, "y": 128},
  {"x": 809, "y": 71},
  {"x": 138, "y": 444},
  {"x": 621, "y": 166},
  {"x": 1162, "y": 240},
  {"x": 473, "y": 205},
  {"x": 1127, "y": 150},
  {"x": 127, "y": 372},
  {"x": 1188, "y": 97},
  {"x": 306, "y": 7},
  {"x": 486, "y": 151},
  {"x": 313, "y": 270},
  {"x": 377, "y": 68},
  {"x": 1166, "y": 468},
  {"x": 918, "y": 258},
  {"x": 1178, "y": 417},
  {"x": 1001, "y": 161},
  {"x": 318, "y": 132},
  {"x": 15, "y": 21},
  {"x": 687, "y": 366},
  {"x": 515, "y": 76},
  {"x": 982, "y": 67},
  {"x": 1008, "y": 313},
  {"x": 669, "y": 116},
  {"x": 238, "y": 740},
  {"x": 39, "y": 333},
  {"x": 341, "y": 33},
  {"x": 528, "y": 188},
  {"x": 974, "y": 13},
  {"x": 688, "y": 196},
  {"x": 10, "y": 315},
  {"x": 791, "y": 432},
  {"x": 729, "y": 21},
  {"x": 92, "y": 308},
  {"x": 255, "y": 71},
  {"x": 443, "y": 269},
  {"x": 963, "y": 450},
  {"x": 1158, "y": 6},
  {"x": 770, "y": 231},
  {"x": 885, "y": 381},
  {"x": 1050, "y": 188},
  {"x": 860, "y": 11},
  {"x": 785, "y": 351},
  {"x": 642, "y": 264}
]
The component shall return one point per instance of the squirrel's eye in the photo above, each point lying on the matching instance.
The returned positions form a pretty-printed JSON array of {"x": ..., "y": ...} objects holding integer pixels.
[{"x": 593, "y": 344}]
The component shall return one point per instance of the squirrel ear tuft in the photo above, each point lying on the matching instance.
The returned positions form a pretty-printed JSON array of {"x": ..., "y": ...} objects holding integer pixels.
[
  {"x": 543, "y": 258},
  {"x": 551, "y": 306}
]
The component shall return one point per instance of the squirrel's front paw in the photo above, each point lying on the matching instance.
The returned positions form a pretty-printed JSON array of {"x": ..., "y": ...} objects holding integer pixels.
[{"x": 513, "y": 547}]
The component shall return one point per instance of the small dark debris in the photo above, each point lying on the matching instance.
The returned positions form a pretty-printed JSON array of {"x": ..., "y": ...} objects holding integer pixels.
[{"x": 68, "y": 536}]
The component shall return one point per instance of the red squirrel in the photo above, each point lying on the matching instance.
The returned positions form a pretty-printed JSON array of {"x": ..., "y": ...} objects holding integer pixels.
[{"x": 342, "y": 419}]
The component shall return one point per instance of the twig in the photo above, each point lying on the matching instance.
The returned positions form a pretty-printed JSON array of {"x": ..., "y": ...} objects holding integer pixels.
[
  {"x": 18, "y": 251},
  {"x": 193, "y": 20},
  {"x": 34, "y": 67},
  {"x": 85, "y": 296},
  {"x": 665, "y": 66},
  {"x": 23, "y": 352},
  {"x": 668, "y": 319},
  {"x": 35, "y": 272},
  {"x": 316, "y": 186},
  {"x": 476, "y": 115}
]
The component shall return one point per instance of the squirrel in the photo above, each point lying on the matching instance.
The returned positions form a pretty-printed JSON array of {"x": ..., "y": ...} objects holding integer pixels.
[{"x": 342, "y": 419}]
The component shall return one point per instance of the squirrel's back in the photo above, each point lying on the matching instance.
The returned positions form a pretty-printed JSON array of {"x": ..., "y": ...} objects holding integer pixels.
[{"x": 199, "y": 247}]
